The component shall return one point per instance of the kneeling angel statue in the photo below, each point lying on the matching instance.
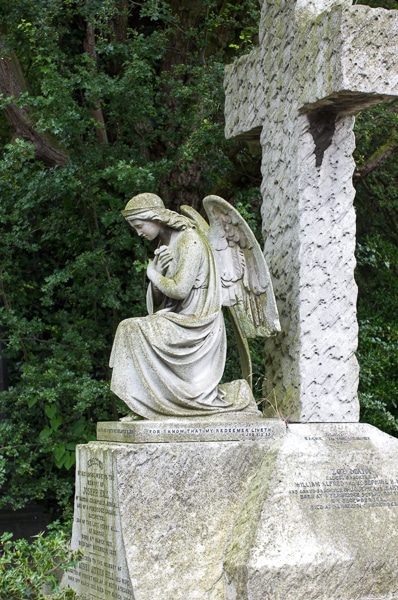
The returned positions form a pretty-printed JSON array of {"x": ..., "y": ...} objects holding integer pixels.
[{"x": 170, "y": 362}]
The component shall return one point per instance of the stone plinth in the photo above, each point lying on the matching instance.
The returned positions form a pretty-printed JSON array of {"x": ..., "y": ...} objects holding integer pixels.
[{"x": 304, "y": 512}]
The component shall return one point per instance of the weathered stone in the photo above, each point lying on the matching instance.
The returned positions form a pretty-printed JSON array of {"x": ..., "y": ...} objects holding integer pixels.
[
  {"x": 320, "y": 519},
  {"x": 158, "y": 516},
  {"x": 297, "y": 512},
  {"x": 318, "y": 63},
  {"x": 301, "y": 514}
]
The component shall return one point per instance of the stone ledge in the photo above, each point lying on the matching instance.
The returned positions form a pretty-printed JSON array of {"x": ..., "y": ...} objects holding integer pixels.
[{"x": 210, "y": 429}]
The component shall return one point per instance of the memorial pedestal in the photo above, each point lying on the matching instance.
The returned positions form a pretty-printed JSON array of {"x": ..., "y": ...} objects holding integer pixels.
[{"x": 304, "y": 512}]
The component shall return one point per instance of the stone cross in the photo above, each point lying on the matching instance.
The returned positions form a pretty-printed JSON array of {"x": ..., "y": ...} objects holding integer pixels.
[{"x": 318, "y": 63}]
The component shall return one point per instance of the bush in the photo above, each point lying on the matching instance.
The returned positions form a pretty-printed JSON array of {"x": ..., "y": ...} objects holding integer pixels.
[{"x": 32, "y": 569}]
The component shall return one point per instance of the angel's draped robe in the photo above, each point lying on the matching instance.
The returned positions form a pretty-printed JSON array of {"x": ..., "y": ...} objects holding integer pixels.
[{"x": 170, "y": 363}]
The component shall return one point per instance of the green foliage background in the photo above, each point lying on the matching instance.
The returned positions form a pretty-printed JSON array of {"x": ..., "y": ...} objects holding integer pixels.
[
  {"x": 377, "y": 269},
  {"x": 71, "y": 270}
]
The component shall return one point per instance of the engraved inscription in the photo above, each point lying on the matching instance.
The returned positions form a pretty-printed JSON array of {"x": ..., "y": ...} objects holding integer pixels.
[
  {"x": 102, "y": 574},
  {"x": 348, "y": 487},
  {"x": 338, "y": 438},
  {"x": 245, "y": 431}
]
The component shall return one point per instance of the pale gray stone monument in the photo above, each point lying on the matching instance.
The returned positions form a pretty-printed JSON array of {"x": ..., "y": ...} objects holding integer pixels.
[{"x": 232, "y": 506}]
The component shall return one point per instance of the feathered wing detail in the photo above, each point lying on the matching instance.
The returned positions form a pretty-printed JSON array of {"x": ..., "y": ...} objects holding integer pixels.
[
  {"x": 243, "y": 346},
  {"x": 245, "y": 277}
]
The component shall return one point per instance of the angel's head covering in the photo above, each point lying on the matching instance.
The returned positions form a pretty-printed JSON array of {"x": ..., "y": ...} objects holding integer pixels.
[
  {"x": 149, "y": 207},
  {"x": 142, "y": 202}
]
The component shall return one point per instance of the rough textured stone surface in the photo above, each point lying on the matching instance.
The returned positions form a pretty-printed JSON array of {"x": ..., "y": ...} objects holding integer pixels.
[
  {"x": 302, "y": 515},
  {"x": 318, "y": 63},
  {"x": 103, "y": 574},
  {"x": 321, "y": 512},
  {"x": 171, "y": 506}
]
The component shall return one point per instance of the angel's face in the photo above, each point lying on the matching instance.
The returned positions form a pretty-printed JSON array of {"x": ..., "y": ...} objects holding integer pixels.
[{"x": 147, "y": 229}]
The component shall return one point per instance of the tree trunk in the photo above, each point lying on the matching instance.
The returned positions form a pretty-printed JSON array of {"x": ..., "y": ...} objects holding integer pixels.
[
  {"x": 119, "y": 23},
  {"x": 12, "y": 85},
  {"x": 96, "y": 111}
]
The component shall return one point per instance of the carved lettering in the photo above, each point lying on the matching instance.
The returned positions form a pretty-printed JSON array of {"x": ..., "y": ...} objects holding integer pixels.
[
  {"x": 102, "y": 572},
  {"x": 216, "y": 432},
  {"x": 346, "y": 488}
]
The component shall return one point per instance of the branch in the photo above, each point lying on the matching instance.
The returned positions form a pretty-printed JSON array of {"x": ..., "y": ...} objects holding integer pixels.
[
  {"x": 12, "y": 85},
  {"x": 377, "y": 157},
  {"x": 19, "y": 446},
  {"x": 96, "y": 112}
]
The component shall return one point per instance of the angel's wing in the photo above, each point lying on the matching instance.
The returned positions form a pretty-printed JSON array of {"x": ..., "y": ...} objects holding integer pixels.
[
  {"x": 245, "y": 278},
  {"x": 242, "y": 344}
]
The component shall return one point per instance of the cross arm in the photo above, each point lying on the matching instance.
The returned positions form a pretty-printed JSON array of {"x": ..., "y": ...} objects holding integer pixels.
[
  {"x": 244, "y": 86},
  {"x": 352, "y": 56},
  {"x": 343, "y": 59}
]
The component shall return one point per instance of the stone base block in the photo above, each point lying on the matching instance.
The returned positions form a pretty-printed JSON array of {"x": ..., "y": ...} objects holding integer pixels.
[{"x": 308, "y": 512}]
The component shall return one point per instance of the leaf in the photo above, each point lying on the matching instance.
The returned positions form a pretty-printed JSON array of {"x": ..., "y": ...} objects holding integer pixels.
[
  {"x": 50, "y": 410},
  {"x": 45, "y": 433},
  {"x": 69, "y": 460},
  {"x": 56, "y": 422},
  {"x": 59, "y": 452}
]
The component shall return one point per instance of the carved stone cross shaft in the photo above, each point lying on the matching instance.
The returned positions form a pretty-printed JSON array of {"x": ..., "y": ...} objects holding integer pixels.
[{"x": 319, "y": 62}]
